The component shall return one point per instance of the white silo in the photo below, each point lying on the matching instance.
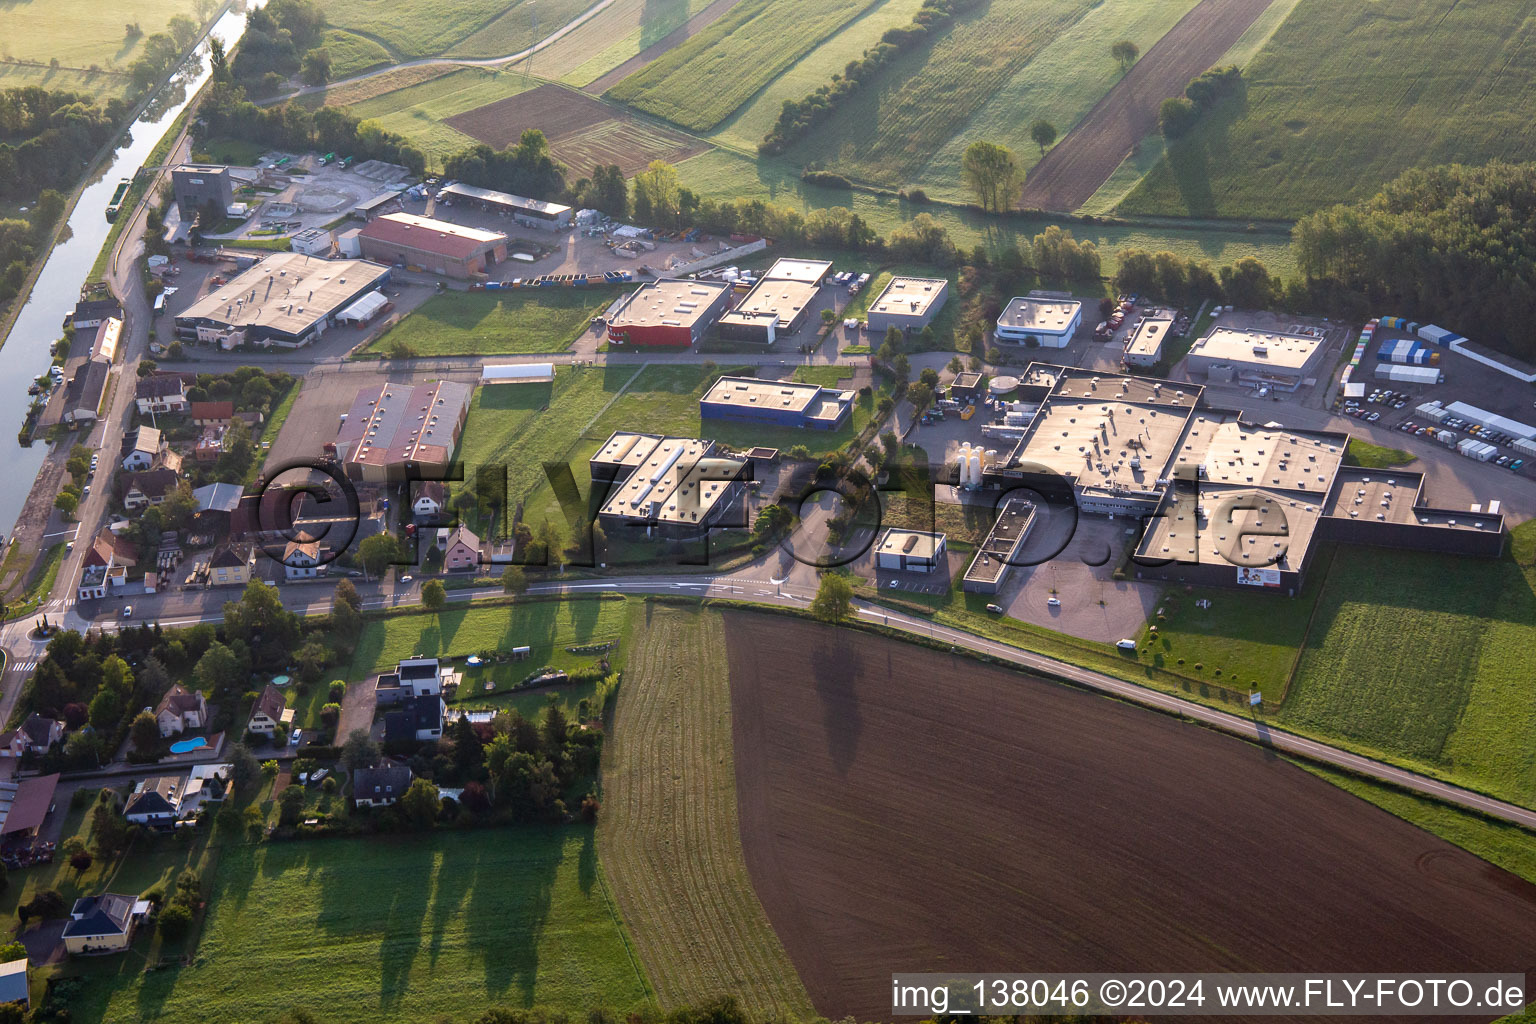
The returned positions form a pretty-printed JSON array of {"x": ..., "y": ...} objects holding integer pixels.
[{"x": 975, "y": 467}]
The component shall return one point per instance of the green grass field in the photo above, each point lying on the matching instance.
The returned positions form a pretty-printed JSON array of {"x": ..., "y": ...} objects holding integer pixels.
[
  {"x": 514, "y": 30},
  {"x": 100, "y": 84},
  {"x": 352, "y": 53},
  {"x": 80, "y": 33},
  {"x": 699, "y": 84},
  {"x": 1375, "y": 456},
  {"x": 417, "y": 111},
  {"x": 887, "y": 132},
  {"x": 520, "y": 320},
  {"x": 395, "y": 928},
  {"x": 1061, "y": 84},
  {"x": 621, "y": 32},
  {"x": 414, "y": 28},
  {"x": 668, "y": 836},
  {"x": 1342, "y": 98},
  {"x": 724, "y": 176}
]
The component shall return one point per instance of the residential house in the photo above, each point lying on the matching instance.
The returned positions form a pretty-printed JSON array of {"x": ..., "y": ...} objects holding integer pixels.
[
  {"x": 84, "y": 392},
  {"x": 212, "y": 414},
  {"x": 35, "y": 736},
  {"x": 141, "y": 490},
  {"x": 141, "y": 448},
  {"x": 231, "y": 565},
  {"x": 381, "y": 785},
  {"x": 161, "y": 393},
  {"x": 209, "y": 445},
  {"x": 270, "y": 711},
  {"x": 103, "y": 924},
  {"x": 418, "y": 719},
  {"x": 301, "y": 560},
  {"x": 13, "y": 983},
  {"x": 216, "y": 503},
  {"x": 92, "y": 312},
  {"x": 105, "y": 565},
  {"x": 414, "y": 677},
  {"x": 462, "y": 551},
  {"x": 431, "y": 499},
  {"x": 155, "y": 801},
  {"x": 181, "y": 709}
]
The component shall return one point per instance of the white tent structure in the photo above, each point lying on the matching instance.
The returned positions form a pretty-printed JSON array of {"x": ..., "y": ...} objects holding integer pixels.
[{"x": 517, "y": 373}]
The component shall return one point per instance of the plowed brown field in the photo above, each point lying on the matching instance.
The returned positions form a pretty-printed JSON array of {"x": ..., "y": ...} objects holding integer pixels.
[
  {"x": 582, "y": 132},
  {"x": 1073, "y": 170},
  {"x": 905, "y": 810}
]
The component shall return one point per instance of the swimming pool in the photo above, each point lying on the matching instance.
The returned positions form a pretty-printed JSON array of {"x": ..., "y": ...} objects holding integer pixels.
[{"x": 184, "y": 746}]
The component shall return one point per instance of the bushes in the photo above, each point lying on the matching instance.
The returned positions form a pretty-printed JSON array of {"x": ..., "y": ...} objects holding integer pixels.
[{"x": 1176, "y": 117}]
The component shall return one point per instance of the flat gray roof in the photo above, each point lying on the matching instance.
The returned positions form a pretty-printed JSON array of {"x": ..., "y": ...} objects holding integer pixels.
[
  {"x": 668, "y": 302},
  {"x": 910, "y": 543},
  {"x": 1147, "y": 340},
  {"x": 1028, "y": 313},
  {"x": 1254, "y": 349},
  {"x": 909, "y": 295},
  {"x": 804, "y": 271},
  {"x": 287, "y": 291}
]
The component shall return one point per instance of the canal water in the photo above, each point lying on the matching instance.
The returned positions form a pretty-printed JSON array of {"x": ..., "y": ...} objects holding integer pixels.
[{"x": 25, "y": 352}]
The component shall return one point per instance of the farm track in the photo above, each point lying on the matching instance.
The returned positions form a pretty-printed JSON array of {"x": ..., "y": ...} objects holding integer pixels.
[
  {"x": 1072, "y": 171},
  {"x": 668, "y": 835},
  {"x": 677, "y": 37},
  {"x": 901, "y": 805}
]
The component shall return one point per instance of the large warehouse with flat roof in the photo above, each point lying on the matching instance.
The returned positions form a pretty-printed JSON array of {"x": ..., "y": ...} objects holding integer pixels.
[
  {"x": 437, "y": 246},
  {"x": 677, "y": 486},
  {"x": 533, "y": 213},
  {"x": 781, "y": 403},
  {"x": 1264, "y": 358},
  {"x": 777, "y": 304},
  {"x": 395, "y": 428},
  {"x": 287, "y": 299},
  {"x": 668, "y": 313},
  {"x": 907, "y": 303}
]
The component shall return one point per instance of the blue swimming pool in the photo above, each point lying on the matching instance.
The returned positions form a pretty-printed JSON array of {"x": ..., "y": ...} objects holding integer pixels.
[{"x": 183, "y": 746}]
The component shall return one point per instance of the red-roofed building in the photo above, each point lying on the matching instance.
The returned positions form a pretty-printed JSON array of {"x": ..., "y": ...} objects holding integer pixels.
[
  {"x": 212, "y": 414},
  {"x": 437, "y": 246},
  {"x": 395, "y": 427}
]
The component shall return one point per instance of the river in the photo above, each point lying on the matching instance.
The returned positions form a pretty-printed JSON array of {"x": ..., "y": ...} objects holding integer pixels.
[{"x": 25, "y": 352}]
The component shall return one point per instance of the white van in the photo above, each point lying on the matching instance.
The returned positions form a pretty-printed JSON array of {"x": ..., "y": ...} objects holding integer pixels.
[{"x": 1126, "y": 645}]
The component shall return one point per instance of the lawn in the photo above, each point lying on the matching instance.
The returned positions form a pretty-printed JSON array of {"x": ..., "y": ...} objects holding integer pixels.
[
  {"x": 521, "y": 320},
  {"x": 1326, "y": 119},
  {"x": 668, "y": 836},
  {"x": 1426, "y": 658},
  {"x": 352, "y": 53},
  {"x": 417, "y": 110},
  {"x": 699, "y": 84},
  {"x": 102, "y": 85},
  {"x": 725, "y": 176},
  {"x": 397, "y": 928},
  {"x": 624, "y": 29},
  {"x": 1375, "y": 456},
  {"x": 80, "y": 33},
  {"x": 242, "y": 152},
  {"x": 888, "y": 131},
  {"x": 42, "y": 584}
]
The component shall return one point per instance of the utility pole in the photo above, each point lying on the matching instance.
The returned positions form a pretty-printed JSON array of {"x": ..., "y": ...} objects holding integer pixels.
[{"x": 533, "y": 12}]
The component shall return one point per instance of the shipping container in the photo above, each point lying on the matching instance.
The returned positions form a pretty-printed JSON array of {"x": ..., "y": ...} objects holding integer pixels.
[
  {"x": 1446, "y": 438},
  {"x": 1438, "y": 335},
  {"x": 1524, "y": 447},
  {"x": 1409, "y": 374}
]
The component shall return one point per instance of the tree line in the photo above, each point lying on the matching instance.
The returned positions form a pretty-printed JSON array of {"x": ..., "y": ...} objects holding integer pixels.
[
  {"x": 46, "y": 137},
  {"x": 796, "y": 118}
]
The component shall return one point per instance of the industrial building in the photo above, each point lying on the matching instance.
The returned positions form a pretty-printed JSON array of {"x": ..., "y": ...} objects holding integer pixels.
[
  {"x": 394, "y": 429},
  {"x": 532, "y": 213},
  {"x": 674, "y": 486},
  {"x": 910, "y": 551},
  {"x": 312, "y": 242},
  {"x": 197, "y": 185},
  {"x": 781, "y": 403},
  {"x": 1046, "y": 321},
  {"x": 1261, "y": 358},
  {"x": 1000, "y": 552},
  {"x": 668, "y": 313},
  {"x": 287, "y": 300},
  {"x": 778, "y": 304},
  {"x": 1221, "y": 501},
  {"x": 436, "y": 246},
  {"x": 1145, "y": 345},
  {"x": 907, "y": 303}
]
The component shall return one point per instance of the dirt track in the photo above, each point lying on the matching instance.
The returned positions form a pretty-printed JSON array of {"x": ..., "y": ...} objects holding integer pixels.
[
  {"x": 687, "y": 30},
  {"x": 905, "y": 810},
  {"x": 1075, "y": 168}
]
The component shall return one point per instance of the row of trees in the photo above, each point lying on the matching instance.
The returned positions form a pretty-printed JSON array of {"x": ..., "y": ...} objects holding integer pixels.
[
  {"x": 20, "y": 241},
  {"x": 161, "y": 52},
  {"x": 1178, "y": 114},
  {"x": 797, "y": 118}
]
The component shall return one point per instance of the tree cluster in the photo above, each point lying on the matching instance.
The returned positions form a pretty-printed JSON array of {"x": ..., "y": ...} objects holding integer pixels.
[
  {"x": 161, "y": 52},
  {"x": 526, "y": 169},
  {"x": 46, "y": 137},
  {"x": 797, "y": 118},
  {"x": 1454, "y": 244},
  {"x": 1178, "y": 114},
  {"x": 277, "y": 39},
  {"x": 21, "y": 240}
]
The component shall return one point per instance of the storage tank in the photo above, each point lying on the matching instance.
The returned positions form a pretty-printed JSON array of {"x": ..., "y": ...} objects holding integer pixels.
[{"x": 975, "y": 467}]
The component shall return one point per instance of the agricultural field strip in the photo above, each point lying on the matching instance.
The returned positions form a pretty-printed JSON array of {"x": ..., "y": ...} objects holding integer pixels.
[{"x": 1247, "y": 729}]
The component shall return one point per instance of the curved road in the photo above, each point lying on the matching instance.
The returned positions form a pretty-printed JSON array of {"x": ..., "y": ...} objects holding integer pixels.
[{"x": 469, "y": 62}]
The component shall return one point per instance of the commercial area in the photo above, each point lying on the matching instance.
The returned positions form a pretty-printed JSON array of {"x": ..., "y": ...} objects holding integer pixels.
[
  {"x": 782, "y": 403},
  {"x": 1046, "y": 321},
  {"x": 672, "y": 486},
  {"x": 1259, "y": 358},
  {"x": 532, "y": 213},
  {"x": 1000, "y": 552},
  {"x": 436, "y": 246},
  {"x": 195, "y": 186},
  {"x": 286, "y": 300},
  {"x": 907, "y": 303},
  {"x": 910, "y": 551},
  {"x": 396, "y": 429},
  {"x": 1144, "y": 348},
  {"x": 778, "y": 303},
  {"x": 668, "y": 313}
]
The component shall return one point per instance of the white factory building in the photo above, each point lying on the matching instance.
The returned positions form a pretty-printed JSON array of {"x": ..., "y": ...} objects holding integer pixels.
[{"x": 1039, "y": 320}]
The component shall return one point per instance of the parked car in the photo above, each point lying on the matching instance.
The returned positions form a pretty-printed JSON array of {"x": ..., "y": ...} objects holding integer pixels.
[
  {"x": 1053, "y": 602},
  {"x": 995, "y": 609},
  {"x": 1126, "y": 645},
  {"x": 127, "y": 611}
]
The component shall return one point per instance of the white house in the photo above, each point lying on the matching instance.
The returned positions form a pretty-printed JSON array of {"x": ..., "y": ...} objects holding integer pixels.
[
  {"x": 35, "y": 735},
  {"x": 139, "y": 452},
  {"x": 161, "y": 393},
  {"x": 181, "y": 709},
  {"x": 270, "y": 711},
  {"x": 380, "y": 786},
  {"x": 431, "y": 499},
  {"x": 301, "y": 560}
]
